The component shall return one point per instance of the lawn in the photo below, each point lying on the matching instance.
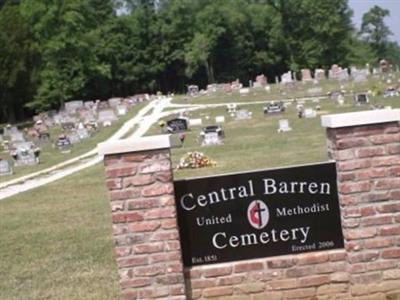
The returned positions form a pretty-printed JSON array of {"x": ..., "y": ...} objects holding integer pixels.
[
  {"x": 51, "y": 156},
  {"x": 56, "y": 240}
]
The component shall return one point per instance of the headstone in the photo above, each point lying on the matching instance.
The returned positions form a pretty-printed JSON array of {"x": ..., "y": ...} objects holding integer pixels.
[
  {"x": 122, "y": 110},
  {"x": 44, "y": 137},
  {"x": 261, "y": 81},
  {"x": 359, "y": 75},
  {"x": 5, "y": 168},
  {"x": 193, "y": 90},
  {"x": 114, "y": 102},
  {"x": 315, "y": 91},
  {"x": 306, "y": 75},
  {"x": 220, "y": 119},
  {"x": 72, "y": 106},
  {"x": 335, "y": 95},
  {"x": 287, "y": 78},
  {"x": 274, "y": 108},
  {"x": 390, "y": 92},
  {"x": 195, "y": 122},
  {"x": 83, "y": 133},
  {"x": 244, "y": 91},
  {"x": 107, "y": 116},
  {"x": 361, "y": 98},
  {"x": 211, "y": 139},
  {"x": 284, "y": 126},
  {"x": 243, "y": 114},
  {"x": 73, "y": 137},
  {"x": 66, "y": 126},
  {"x": 17, "y": 136},
  {"x": 310, "y": 113},
  {"x": 63, "y": 143},
  {"x": 319, "y": 74},
  {"x": 268, "y": 88},
  {"x": 177, "y": 125},
  {"x": 212, "y": 88},
  {"x": 231, "y": 108},
  {"x": 236, "y": 85},
  {"x": 88, "y": 104},
  {"x": 25, "y": 154},
  {"x": 384, "y": 66},
  {"x": 343, "y": 75}
]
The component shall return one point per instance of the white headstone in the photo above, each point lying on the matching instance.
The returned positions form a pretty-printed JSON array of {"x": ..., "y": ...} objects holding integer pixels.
[
  {"x": 310, "y": 113},
  {"x": 211, "y": 138},
  {"x": 244, "y": 91},
  {"x": 284, "y": 125},
  {"x": 195, "y": 122},
  {"x": 220, "y": 119}
]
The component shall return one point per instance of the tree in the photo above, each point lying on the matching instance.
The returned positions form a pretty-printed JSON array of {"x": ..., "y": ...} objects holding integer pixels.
[
  {"x": 374, "y": 31},
  {"x": 18, "y": 60}
]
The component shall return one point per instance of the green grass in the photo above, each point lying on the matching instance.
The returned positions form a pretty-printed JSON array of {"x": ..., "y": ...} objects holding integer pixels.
[
  {"x": 56, "y": 242},
  {"x": 50, "y": 155}
]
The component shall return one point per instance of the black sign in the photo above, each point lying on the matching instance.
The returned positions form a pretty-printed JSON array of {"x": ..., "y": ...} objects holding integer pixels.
[
  {"x": 177, "y": 125},
  {"x": 258, "y": 214}
]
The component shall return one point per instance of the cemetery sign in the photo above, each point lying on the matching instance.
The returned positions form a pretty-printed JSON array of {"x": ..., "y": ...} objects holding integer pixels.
[{"x": 258, "y": 214}]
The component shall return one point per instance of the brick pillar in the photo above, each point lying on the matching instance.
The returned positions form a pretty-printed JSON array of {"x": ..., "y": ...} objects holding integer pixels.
[
  {"x": 140, "y": 187},
  {"x": 366, "y": 146}
]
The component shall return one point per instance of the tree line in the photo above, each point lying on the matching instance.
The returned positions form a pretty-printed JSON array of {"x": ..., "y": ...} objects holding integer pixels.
[{"x": 53, "y": 51}]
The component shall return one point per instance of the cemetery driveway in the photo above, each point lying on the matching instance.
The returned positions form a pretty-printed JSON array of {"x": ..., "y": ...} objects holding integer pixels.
[
  {"x": 143, "y": 120},
  {"x": 139, "y": 125}
]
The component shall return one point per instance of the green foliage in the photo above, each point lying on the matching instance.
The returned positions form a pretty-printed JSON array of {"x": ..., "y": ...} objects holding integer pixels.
[{"x": 56, "y": 51}]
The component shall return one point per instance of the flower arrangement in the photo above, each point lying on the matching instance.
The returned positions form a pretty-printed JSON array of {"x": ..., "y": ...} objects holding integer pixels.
[{"x": 194, "y": 160}]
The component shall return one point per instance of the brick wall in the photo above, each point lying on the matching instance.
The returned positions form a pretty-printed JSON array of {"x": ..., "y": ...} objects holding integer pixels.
[
  {"x": 144, "y": 225},
  {"x": 147, "y": 240}
]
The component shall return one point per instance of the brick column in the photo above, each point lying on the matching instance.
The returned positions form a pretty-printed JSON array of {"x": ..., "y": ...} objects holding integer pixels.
[
  {"x": 366, "y": 146},
  {"x": 140, "y": 187}
]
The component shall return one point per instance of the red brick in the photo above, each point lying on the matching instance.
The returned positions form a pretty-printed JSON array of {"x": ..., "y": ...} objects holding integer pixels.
[
  {"x": 337, "y": 256},
  {"x": 124, "y": 194},
  {"x": 281, "y": 263},
  {"x": 122, "y": 251},
  {"x": 305, "y": 293},
  {"x": 134, "y": 283},
  {"x": 218, "y": 291},
  {"x": 393, "y": 149},
  {"x": 394, "y": 171},
  {"x": 165, "y": 236},
  {"x": 391, "y": 253},
  {"x": 129, "y": 295},
  {"x": 370, "y": 151},
  {"x": 110, "y": 160},
  {"x": 160, "y": 213},
  {"x": 352, "y": 142},
  {"x": 138, "y": 180},
  {"x": 217, "y": 271},
  {"x": 127, "y": 217},
  {"x": 154, "y": 167},
  {"x": 354, "y": 187},
  {"x": 385, "y": 161},
  {"x": 377, "y": 196},
  {"x": 170, "y": 279},
  {"x": 346, "y": 176},
  {"x": 135, "y": 157},
  {"x": 357, "y": 268},
  {"x": 366, "y": 278},
  {"x": 177, "y": 290},
  {"x": 169, "y": 224},
  {"x": 144, "y": 226},
  {"x": 133, "y": 261},
  {"x": 121, "y": 171},
  {"x": 148, "y": 248},
  {"x": 362, "y": 257},
  {"x": 353, "y": 165},
  {"x": 378, "y": 172},
  {"x": 172, "y": 246},
  {"x": 344, "y": 154},
  {"x": 389, "y": 230},
  {"x": 379, "y": 265},
  {"x": 379, "y": 220},
  {"x": 117, "y": 206},
  {"x": 282, "y": 284},
  {"x": 368, "y": 211},
  {"x": 389, "y": 208},
  {"x": 387, "y": 183},
  {"x": 143, "y": 203},
  {"x": 352, "y": 212},
  {"x": 392, "y": 127},
  {"x": 395, "y": 195},
  {"x": 353, "y": 246},
  {"x": 385, "y": 138},
  {"x": 248, "y": 266},
  {"x": 312, "y": 258},
  {"x": 355, "y": 234},
  {"x": 313, "y": 280},
  {"x": 367, "y": 130},
  {"x": 231, "y": 280},
  {"x": 114, "y": 183},
  {"x": 202, "y": 283},
  {"x": 378, "y": 243},
  {"x": 164, "y": 176},
  {"x": 351, "y": 223},
  {"x": 299, "y": 272},
  {"x": 149, "y": 271},
  {"x": 157, "y": 189}
]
